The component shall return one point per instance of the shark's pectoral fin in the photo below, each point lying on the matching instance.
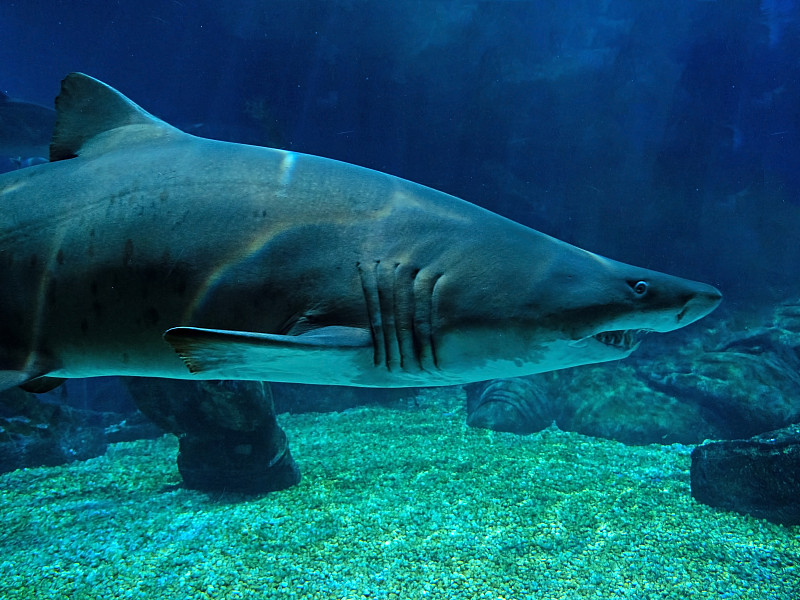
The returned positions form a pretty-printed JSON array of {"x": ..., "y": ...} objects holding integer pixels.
[{"x": 220, "y": 354}]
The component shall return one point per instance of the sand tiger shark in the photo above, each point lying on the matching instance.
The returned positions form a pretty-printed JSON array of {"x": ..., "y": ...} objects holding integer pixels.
[{"x": 142, "y": 250}]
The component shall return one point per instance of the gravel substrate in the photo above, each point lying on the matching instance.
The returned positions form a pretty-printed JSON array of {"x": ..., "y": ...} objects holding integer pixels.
[{"x": 393, "y": 504}]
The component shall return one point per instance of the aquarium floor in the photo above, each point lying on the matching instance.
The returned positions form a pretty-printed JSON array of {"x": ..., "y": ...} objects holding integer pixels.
[{"x": 393, "y": 504}]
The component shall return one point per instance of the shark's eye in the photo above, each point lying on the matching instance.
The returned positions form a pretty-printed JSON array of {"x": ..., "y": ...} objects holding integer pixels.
[{"x": 640, "y": 287}]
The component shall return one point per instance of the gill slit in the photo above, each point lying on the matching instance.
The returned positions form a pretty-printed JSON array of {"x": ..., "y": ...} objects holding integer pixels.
[{"x": 400, "y": 309}]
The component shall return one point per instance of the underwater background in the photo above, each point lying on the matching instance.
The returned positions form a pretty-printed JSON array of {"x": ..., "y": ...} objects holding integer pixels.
[{"x": 660, "y": 133}]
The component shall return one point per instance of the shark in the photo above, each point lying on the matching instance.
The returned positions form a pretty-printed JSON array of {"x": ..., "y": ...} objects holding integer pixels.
[
  {"x": 25, "y": 132},
  {"x": 143, "y": 250}
]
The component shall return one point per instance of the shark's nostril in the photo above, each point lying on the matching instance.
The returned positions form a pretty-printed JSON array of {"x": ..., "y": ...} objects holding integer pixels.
[{"x": 682, "y": 314}]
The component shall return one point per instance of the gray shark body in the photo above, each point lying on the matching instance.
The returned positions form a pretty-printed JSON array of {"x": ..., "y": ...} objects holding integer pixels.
[{"x": 142, "y": 250}]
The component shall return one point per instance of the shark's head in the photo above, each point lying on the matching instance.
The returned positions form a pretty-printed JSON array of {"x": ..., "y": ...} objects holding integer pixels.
[
  {"x": 623, "y": 301},
  {"x": 572, "y": 308}
]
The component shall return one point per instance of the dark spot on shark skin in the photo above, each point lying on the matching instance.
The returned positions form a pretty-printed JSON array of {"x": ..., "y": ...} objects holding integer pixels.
[
  {"x": 152, "y": 278},
  {"x": 60, "y": 256},
  {"x": 7, "y": 258},
  {"x": 151, "y": 316},
  {"x": 264, "y": 213},
  {"x": 84, "y": 326},
  {"x": 127, "y": 254},
  {"x": 34, "y": 261},
  {"x": 51, "y": 292},
  {"x": 176, "y": 277}
]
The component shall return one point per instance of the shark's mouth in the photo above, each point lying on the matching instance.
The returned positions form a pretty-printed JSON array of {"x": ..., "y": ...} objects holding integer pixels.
[{"x": 622, "y": 339}]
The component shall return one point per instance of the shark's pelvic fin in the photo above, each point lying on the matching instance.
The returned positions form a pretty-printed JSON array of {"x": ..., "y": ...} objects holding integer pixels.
[
  {"x": 93, "y": 118},
  {"x": 208, "y": 350},
  {"x": 37, "y": 384},
  {"x": 42, "y": 385}
]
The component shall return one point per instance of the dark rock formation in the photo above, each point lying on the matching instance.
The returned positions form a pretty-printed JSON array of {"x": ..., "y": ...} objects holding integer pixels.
[
  {"x": 35, "y": 432},
  {"x": 608, "y": 401},
  {"x": 251, "y": 462},
  {"x": 746, "y": 383},
  {"x": 228, "y": 434},
  {"x": 44, "y": 430},
  {"x": 519, "y": 405},
  {"x": 613, "y": 402},
  {"x": 759, "y": 476},
  {"x": 129, "y": 428}
]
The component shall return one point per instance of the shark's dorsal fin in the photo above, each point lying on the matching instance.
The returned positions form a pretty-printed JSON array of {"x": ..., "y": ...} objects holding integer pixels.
[{"x": 89, "y": 115}]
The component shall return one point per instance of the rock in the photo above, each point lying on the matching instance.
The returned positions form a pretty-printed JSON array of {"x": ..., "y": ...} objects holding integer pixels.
[
  {"x": 203, "y": 407},
  {"x": 746, "y": 383},
  {"x": 608, "y": 401},
  {"x": 247, "y": 462},
  {"x": 518, "y": 405},
  {"x": 35, "y": 432},
  {"x": 759, "y": 476},
  {"x": 612, "y": 401},
  {"x": 131, "y": 428},
  {"x": 228, "y": 433},
  {"x": 743, "y": 393}
]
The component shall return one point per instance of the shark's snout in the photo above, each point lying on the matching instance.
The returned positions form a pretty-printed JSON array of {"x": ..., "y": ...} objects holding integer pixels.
[{"x": 704, "y": 300}]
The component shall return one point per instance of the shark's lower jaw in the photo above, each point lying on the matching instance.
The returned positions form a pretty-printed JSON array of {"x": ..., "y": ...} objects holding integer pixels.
[{"x": 626, "y": 340}]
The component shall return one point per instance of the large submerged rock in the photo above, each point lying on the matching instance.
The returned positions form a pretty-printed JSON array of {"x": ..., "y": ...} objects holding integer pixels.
[
  {"x": 518, "y": 405},
  {"x": 229, "y": 436},
  {"x": 45, "y": 431},
  {"x": 759, "y": 476},
  {"x": 746, "y": 382},
  {"x": 597, "y": 400}
]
